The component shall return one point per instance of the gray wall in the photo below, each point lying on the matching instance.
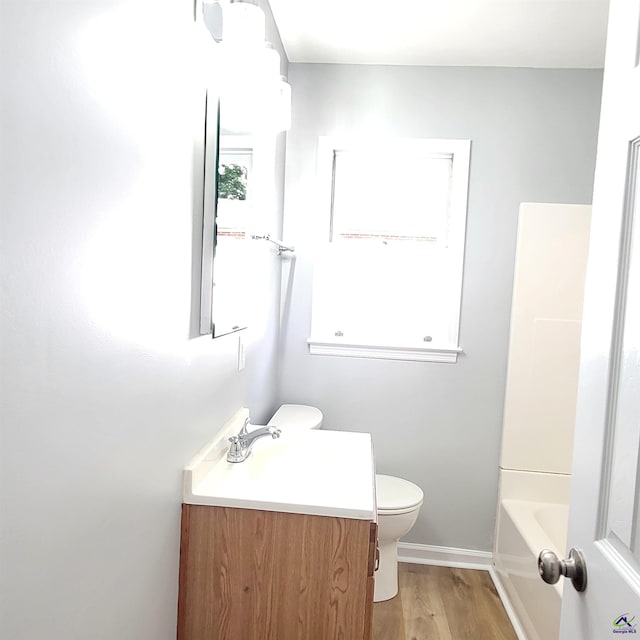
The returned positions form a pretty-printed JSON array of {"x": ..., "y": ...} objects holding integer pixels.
[
  {"x": 533, "y": 138},
  {"x": 104, "y": 398}
]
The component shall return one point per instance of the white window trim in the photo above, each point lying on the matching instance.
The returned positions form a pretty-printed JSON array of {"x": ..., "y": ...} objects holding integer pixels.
[
  {"x": 461, "y": 150},
  {"x": 237, "y": 143}
]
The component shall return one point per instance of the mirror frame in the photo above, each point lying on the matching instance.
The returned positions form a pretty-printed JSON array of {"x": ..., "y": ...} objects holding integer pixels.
[{"x": 209, "y": 207}]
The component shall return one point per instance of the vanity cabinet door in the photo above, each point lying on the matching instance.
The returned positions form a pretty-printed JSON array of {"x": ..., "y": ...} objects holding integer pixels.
[{"x": 260, "y": 575}]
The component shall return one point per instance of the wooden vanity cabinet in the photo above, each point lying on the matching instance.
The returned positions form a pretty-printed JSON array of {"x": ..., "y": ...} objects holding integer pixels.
[{"x": 264, "y": 575}]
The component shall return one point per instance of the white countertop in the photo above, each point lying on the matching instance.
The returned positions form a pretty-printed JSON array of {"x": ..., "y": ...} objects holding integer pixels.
[{"x": 315, "y": 472}]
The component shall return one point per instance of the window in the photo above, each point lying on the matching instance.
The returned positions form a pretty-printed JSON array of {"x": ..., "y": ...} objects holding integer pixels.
[
  {"x": 235, "y": 198},
  {"x": 234, "y": 187},
  {"x": 388, "y": 282}
]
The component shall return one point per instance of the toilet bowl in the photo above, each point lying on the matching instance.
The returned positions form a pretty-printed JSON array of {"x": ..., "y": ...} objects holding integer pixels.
[{"x": 398, "y": 502}]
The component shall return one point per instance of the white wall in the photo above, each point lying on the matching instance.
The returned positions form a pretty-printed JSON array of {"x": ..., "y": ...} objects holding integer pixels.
[
  {"x": 104, "y": 396},
  {"x": 533, "y": 138}
]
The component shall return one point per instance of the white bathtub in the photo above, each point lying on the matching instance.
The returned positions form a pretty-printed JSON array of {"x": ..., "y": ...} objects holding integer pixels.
[{"x": 524, "y": 528}]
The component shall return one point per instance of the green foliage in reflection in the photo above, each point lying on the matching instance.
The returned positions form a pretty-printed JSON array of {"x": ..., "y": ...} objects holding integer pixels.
[{"x": 232, "y": 182}]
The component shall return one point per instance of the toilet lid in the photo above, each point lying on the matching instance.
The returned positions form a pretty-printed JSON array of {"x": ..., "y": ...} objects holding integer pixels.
[
  {"x": 296, "y": 416},
  {"x": 395, "y": 493}
]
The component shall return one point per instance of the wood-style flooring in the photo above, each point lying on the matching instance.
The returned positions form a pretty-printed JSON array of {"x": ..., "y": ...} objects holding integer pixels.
[{"x": 441, "y": 603}]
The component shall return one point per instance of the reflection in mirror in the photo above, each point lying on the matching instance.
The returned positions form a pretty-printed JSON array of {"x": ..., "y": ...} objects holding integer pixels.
[
  {"x": 253, "y": 105},
  {"x": 235, "y": 181},
  {"x": 234, "y": 215},
  {"x": 226, "y": 210}
]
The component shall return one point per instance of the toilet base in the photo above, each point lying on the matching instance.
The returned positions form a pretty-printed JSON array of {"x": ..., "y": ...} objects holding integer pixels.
[{"x": 386, "y": 585}]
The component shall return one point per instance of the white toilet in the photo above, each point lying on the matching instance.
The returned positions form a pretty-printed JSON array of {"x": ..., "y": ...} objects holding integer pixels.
[{"x": 398, "y": 502}]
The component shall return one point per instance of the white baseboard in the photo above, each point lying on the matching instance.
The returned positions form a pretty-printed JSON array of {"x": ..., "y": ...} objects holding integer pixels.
[
  {"x": 461, "y": 559},
  {"x": 444, "y": 556}
]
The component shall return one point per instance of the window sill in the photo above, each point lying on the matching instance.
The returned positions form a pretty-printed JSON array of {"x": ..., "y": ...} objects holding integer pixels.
[{"x": 417, "y": 354}]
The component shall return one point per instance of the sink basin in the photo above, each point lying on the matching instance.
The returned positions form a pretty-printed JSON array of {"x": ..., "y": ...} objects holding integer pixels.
[{"x": 325, "y": 473}]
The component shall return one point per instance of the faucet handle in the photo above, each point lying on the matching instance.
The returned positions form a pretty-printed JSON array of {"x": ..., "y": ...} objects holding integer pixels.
[
  {"x": 235, "y": 450},
  {"x": 243, "y": 431}
]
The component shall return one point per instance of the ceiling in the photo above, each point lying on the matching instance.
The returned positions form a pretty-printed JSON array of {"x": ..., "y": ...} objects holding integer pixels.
[{"x": 503, "y": 33}]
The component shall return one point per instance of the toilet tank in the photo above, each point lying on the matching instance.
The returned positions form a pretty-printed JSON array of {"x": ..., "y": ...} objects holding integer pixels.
[{"x": 297, "y": 416}]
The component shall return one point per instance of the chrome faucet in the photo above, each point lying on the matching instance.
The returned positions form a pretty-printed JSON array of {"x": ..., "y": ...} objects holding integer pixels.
[{"x": 241, "y": 444}]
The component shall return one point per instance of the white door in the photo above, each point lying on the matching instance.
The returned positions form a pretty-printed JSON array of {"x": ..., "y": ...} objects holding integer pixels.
[{"x": 605, "y": 503}]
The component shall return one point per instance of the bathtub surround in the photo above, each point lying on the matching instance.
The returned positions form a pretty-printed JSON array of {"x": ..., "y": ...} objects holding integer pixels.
[
  {"x": 104, "y": 397},
  {"x": 533, "y": 138},
  {"x": 544, "y": 347},
  {"x": 540, "y": 406}
]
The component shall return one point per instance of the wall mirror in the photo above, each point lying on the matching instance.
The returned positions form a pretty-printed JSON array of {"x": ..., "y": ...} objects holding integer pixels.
[
  {"x": 219, "y": 314},
  {"x": 247, "y": 103},
  {"x": 226, "y": 206},
  {"x": 225, "y": 189}
]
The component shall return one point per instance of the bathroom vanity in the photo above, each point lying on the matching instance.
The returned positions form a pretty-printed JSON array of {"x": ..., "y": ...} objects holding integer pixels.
[{"x": 281, "y": 546}]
